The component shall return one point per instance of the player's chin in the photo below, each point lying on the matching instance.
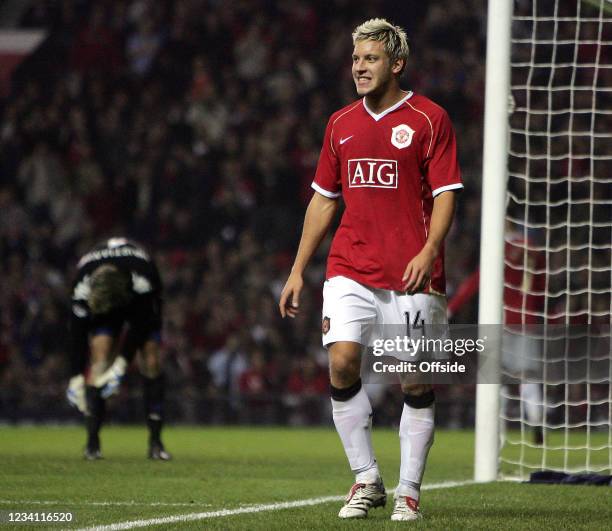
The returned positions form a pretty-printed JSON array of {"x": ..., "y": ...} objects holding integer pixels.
[{"x": 363, "y": 90}]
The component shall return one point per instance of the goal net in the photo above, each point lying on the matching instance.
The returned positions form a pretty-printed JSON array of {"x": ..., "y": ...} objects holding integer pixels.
[{"x": 556, "y": 401}]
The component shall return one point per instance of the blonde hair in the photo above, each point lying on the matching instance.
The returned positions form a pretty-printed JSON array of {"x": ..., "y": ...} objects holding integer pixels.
[
  {"x": 110, "y": 289},
  {"x": 393, "y": 37}
]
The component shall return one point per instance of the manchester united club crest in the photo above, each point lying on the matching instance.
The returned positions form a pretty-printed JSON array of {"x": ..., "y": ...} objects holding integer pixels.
[
  {"x": 401, "y": 136},
  {"x": 325, "y": 325}
]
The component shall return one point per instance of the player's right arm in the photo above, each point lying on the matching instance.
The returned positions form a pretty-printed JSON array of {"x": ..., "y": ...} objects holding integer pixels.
[{"x": 319, "y": 216}]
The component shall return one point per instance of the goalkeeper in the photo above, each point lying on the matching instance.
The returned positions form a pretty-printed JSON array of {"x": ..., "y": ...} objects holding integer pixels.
[{"x": 116, "y": 307}]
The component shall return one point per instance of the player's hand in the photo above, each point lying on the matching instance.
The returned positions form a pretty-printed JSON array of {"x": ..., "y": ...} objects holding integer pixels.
[
  {"x": 418, "y": 271},
  {"x": 290, "y": 296}
]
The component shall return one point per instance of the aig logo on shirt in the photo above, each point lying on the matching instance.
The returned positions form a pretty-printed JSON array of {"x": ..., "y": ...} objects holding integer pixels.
[{"x": 372, "y": 173}]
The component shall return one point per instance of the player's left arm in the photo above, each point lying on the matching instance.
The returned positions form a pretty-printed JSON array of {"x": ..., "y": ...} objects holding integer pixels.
[{"x": 418, "y": 271}]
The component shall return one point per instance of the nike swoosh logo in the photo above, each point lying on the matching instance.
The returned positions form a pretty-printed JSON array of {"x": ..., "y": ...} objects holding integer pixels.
[{"x": 343, "y": 140}]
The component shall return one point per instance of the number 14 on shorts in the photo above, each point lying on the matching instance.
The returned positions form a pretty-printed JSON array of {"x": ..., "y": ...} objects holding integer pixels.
[{"x": 414, "y": 323}]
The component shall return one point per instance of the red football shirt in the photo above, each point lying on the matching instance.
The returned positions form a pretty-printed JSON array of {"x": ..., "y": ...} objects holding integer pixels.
[{"x": 388, "y": 167}]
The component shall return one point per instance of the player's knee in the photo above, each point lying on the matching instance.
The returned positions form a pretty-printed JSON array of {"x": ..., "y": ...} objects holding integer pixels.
[
  {"x": 150, "y": 362},
  {"x": 344, "y": 368},
  {"x": 418, "y": 396},
  {"x": 343, "y": 378},
  {"x": 414, "y": 389},
  {"x": 151, "y": 367}
]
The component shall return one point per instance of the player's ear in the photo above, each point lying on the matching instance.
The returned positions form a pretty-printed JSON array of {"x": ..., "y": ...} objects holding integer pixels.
[{"x": 398, "y": 66}]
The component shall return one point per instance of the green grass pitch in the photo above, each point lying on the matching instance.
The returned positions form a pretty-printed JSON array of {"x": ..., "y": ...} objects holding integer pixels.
[{"x": 41, "y": 469}]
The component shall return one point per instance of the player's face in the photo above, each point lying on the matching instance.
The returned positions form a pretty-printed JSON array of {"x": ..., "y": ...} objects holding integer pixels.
[{"x": 372, "y": 69}]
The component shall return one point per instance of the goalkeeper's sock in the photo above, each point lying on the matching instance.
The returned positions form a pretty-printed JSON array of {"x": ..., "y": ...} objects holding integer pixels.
[
  {"x": 96, "y": 410},
  {"x": 416, "y": 437},
  {"x": 154, "y": 398},
  {"x": 352, "y": 413}
]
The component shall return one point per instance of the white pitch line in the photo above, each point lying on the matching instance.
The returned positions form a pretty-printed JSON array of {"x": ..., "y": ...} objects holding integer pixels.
[
  {"x": 247, "y": 510},
  {"x": 103, "y": 503}
]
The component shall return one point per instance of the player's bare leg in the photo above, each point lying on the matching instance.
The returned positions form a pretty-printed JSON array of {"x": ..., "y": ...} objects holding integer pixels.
[
  {"x": 352, "y": 415},
  {"x": 151, "y": 370},
  {"x": 101, "y": 346},
  {"x": 416, "y": 437}
]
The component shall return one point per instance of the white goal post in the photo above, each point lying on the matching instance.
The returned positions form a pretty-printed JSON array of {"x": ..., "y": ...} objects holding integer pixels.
[
  {"x": 547, "y": 173},
  {"x": 494, "y": 171}
]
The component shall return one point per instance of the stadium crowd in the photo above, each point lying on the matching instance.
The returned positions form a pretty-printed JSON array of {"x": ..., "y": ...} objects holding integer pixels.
[{"x": 194, "y": 127}]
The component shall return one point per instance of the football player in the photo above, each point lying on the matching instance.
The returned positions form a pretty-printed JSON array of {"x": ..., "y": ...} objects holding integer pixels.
[
  {"x": 392, "y": 157},
  {"x": 116, "y": 307}
]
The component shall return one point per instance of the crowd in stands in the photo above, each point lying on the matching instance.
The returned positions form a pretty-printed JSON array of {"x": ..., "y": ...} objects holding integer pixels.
[{"x": 194, "y": 127}]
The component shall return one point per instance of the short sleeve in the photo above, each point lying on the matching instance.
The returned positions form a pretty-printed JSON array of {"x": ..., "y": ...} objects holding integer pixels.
[
  {"x": 327, "y": 177},
  {"x": 441, "y": 166}
]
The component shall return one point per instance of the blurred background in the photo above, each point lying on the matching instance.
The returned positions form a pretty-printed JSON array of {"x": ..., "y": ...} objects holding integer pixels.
[{"x": 194, "y": 127}]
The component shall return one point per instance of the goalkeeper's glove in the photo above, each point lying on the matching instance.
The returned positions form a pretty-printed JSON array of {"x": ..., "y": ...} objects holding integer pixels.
[
  {"x": 110, "y": 381},
  {"x": 76, "y": 393}
]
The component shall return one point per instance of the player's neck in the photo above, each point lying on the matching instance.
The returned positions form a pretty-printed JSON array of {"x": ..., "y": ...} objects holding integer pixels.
[{"x": 378, "y": 103}]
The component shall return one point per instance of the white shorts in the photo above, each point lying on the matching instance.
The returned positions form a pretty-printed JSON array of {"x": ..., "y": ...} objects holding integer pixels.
[{"x": 352, "y": 311}]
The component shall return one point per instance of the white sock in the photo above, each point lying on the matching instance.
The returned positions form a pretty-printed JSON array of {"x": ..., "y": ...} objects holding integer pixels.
[
  {"x": 416, "y": 437},
  {"x": 353, "y": 420},
  {"x": 531, "y": 395}
]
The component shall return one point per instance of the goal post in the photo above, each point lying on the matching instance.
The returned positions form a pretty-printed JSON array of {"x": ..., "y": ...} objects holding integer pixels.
[
  {"x": 494, "y": 171},
  {"x": 546, "y": 239}
]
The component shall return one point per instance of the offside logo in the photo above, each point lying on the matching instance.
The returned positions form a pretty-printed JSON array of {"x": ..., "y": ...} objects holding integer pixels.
[{"x": 372, "y": 173}]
